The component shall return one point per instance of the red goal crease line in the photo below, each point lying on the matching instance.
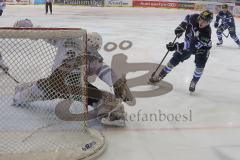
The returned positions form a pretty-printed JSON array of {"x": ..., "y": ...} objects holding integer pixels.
[
  {"x": 174, "y": 129},
  {"x": 14, "y": 28}
]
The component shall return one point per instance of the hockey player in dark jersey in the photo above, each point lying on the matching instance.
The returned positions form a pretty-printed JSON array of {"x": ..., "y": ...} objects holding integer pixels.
[
  {"x": 227, "y": 22},
  {"x": 197, "y": 42}
]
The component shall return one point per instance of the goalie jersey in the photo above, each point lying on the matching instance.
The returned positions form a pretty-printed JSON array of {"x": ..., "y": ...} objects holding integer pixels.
[{"x": 72, "y": 49}]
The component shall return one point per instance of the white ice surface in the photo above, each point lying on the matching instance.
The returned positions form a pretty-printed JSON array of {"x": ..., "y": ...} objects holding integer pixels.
[{"x": 213, "y": 133}]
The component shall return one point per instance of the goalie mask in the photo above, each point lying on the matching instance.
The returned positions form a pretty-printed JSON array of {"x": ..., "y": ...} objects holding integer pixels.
[
  {"x": 26, "y": 23},
  {"x": 94, "y": 40}
]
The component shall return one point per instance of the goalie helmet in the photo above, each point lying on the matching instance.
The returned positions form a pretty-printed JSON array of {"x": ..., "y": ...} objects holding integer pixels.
[
  {"x": 94, "y": 40},
  {"x": 25, "y": 23}
]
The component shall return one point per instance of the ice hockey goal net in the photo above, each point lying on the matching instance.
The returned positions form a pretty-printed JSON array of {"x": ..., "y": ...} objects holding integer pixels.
[{"x": 52, "y": 126}]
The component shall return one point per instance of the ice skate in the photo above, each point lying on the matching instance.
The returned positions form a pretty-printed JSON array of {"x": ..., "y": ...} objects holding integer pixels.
[
  {"x": 219, "y": 44},
  {"x": 155, "y": 80},
  {"x": 111, "y": 111},
  {"x": 116, "y": 117},
  {"x": 192, "y": 86}
]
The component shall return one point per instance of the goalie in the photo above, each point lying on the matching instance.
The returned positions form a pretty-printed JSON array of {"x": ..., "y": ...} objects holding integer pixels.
[{"x": 65, "y": 80}]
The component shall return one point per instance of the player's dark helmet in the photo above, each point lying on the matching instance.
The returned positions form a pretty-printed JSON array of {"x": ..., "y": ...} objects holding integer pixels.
[
  {"x": 224, "y": 6},
  {"x": 206, "y": 15}
]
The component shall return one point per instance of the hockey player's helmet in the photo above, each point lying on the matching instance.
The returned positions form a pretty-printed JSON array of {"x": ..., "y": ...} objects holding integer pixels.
[
  {"x": 25, "y": 23},
  {"x": 224, "y": 6},
  {"x": 206, "y": 16},
  {"x": 94, "y": 40}
]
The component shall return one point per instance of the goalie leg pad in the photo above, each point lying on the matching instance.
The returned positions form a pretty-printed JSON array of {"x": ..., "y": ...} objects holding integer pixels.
[{"x": 122, "y": 91}]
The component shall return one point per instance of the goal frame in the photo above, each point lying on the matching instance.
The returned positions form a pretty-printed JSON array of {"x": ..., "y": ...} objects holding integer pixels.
[{"x": 56, "y": 33}]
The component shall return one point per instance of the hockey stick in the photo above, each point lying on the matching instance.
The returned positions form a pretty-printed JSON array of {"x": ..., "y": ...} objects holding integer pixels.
[
  {"x": 9, "y": 75},
  {"x": 226, "y": 35},
  {"x": 153, "y": 74}
]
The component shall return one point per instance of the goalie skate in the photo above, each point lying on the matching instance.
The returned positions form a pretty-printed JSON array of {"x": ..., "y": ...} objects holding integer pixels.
[
  {"x": 117, "y": 123},
  {"x": 111, "y": 111},
  {"x": 116, "y": 117}
]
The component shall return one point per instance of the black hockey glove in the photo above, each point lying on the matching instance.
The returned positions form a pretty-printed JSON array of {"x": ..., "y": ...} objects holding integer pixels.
[
  {"x": 179, "y": 31},
  {"x": 216, "y": 24},
  {"x": 171, "y": 46}
]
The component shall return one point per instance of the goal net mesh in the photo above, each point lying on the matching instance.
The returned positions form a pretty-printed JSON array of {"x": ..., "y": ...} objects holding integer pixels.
[{"x": 43, "y": 109}]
